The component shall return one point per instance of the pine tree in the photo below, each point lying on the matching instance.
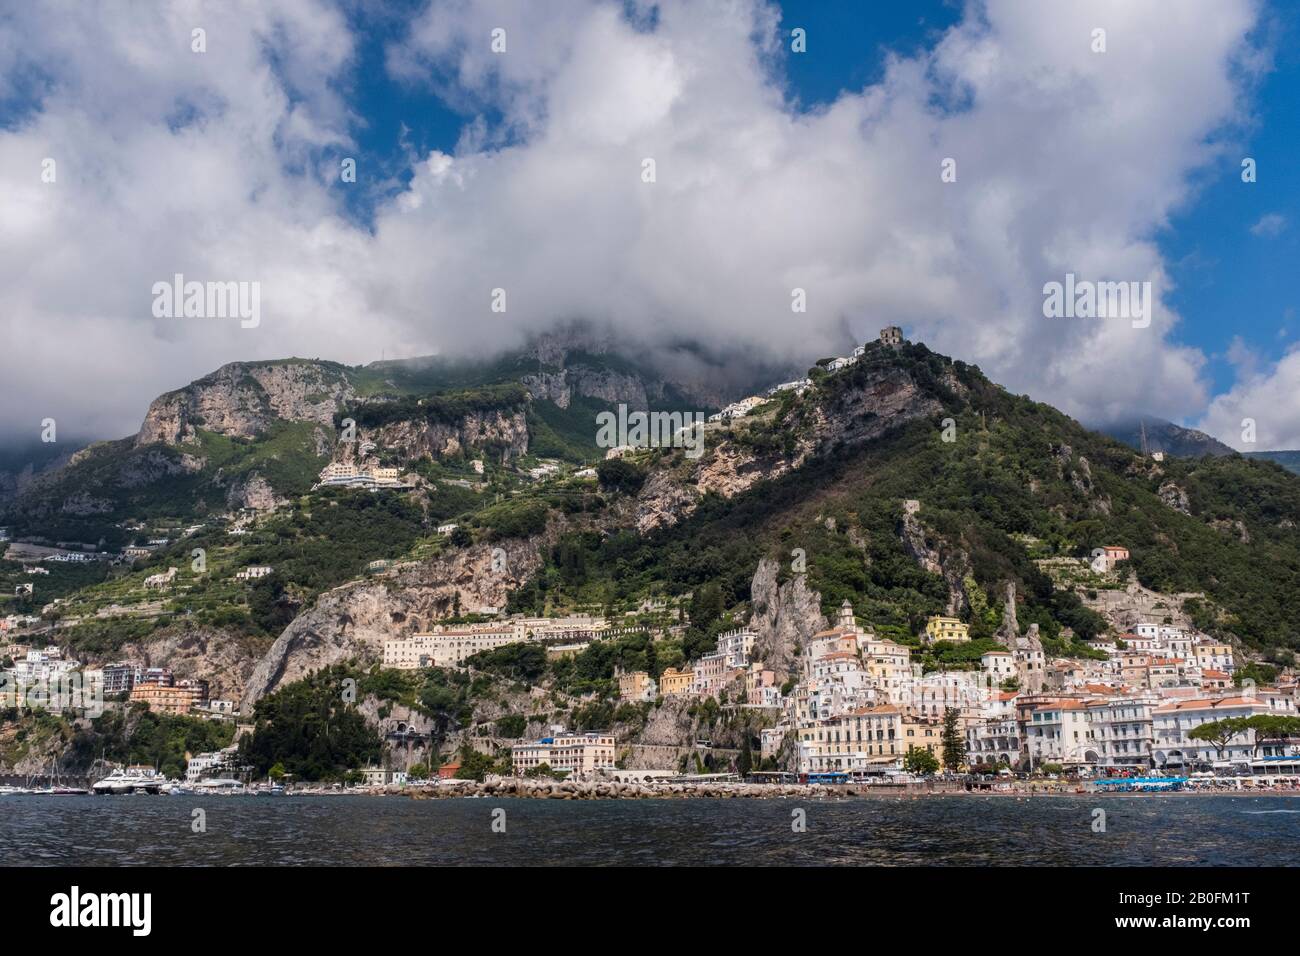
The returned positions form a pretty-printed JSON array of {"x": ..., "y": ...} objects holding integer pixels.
[{"x": 954, "y": 740}]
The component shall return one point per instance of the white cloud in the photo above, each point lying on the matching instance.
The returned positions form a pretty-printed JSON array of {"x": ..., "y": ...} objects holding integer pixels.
[
  {"x": 1268, "y": 397},
  {"x": 1269, "y": 226},
  {"x": 1068, "y": 161}
]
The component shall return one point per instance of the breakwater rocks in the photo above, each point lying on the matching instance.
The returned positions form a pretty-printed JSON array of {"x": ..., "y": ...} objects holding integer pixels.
[{"x": 528, "y": 788}]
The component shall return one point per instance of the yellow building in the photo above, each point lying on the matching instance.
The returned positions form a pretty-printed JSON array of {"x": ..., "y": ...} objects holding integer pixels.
[
  {"x": 924, "y": 735},
  {"x": 927, "y": 734},
  {"x": 675, "y": 683},
  {"x": 946, "y": 629}
]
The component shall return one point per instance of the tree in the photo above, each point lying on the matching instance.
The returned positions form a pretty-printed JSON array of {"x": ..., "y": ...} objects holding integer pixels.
[
  {"x": 1271, "y": 727},
  {"x": 920, "y": 761},
  {"x": 1219, "y": 733},
  {"x": 746, "y": 761},
  {"x": 474, "y": 765},
  {"x": 419, "y": 771},
  {"x": 954, "y": 739},
  {"x": 619, "y": 475}
]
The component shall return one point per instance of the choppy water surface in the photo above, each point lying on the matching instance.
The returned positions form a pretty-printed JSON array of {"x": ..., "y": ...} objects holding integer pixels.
[{"x": 956, "y": 830}]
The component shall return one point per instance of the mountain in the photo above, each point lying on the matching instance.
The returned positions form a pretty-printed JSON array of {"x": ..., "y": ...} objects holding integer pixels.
[
  {"x": 252, "y": 435},
  {"x": 1290, "y": 460},
  {"x": 1178, "y": 442},
  {"x": 1165, "y": 436},
  {"x": 905, "y": 483},
  {"x": 1018, "y": 486}
]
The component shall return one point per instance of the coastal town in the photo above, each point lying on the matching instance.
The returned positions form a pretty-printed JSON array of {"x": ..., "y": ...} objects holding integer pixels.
[
  {"x": 1161, "y": 703},
  {"x": 1151, "y": 698}
]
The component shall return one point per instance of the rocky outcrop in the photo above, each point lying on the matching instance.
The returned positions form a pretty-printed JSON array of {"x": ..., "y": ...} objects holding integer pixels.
[
  {"x": 1010, "y": 630},
  {"x": 354, "y": 621},
  {"x": 253, "y": 492},
  {"x": 662, "y": 500},
  {"x": 952, "y": 567},
  {"x": 549, "y": 387},
  {"x": 784, "y": 617},
  {"x": 504, "y": 431},
  {"x": 223, "y": 659},
  {"x": 884, "y": 399},
  {"x": 605, "y": 385},
  {"x": 152, "y": 464},
  {"x": 1175, "y": 497},
  {"x": 242, "y": 399},
  {"x": 83, "y": 503},
  {"x": 1078, "y": 472},
  {"x": 668, "y": 725},
  {"x": 1026, "y": 648},
  {"x": 1235, "y": 528}
]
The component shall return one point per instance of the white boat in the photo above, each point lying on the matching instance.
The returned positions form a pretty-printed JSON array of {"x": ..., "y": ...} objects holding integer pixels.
[
  {"x": 220, "y": 785},
  {"x": 130, "y": 780}
]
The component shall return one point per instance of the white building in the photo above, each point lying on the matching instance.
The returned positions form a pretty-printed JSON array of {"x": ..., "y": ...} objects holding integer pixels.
[
  {"x": 798, "y": 386},
  {"x": 1120, "y": 731},
  {"x": 999, "y": 665},
  {"x": 160, "y": 580},
  {"x": 212, "y": 764},
  {"x": 1172, "y": 722},
  {"x": 994, "y": 741},
  {"x": 1057, "y": 732},
  {"x": 735, "y": 646}
]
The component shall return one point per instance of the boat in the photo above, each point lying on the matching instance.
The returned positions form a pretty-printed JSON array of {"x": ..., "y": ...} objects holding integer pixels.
[
  {"x": 220, "y": 785},
  {"x": 130, "y": 780}
]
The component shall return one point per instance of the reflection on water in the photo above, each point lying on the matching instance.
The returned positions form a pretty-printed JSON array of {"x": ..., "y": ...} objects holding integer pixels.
[{"x": 956, "y": 830}]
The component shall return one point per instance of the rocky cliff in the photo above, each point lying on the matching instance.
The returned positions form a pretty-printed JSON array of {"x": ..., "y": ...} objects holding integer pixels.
[
  {"x": 877, "y": 401},
  {"x": 603, "y": 385},
  {"x": 932, "y": 556},
  {"x": 223, "y": 659},
  {"x": 503, "y": 431},
  {"x": 784, "y": 617},
  {"x": 242, "y": 399},
  {"x": 354, "y": 620}
]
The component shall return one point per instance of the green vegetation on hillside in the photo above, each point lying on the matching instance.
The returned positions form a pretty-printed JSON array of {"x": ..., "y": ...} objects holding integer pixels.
[
  {"x": 443, "y": 409},
  {"x": 136, "y": 735},
  {"x": 1016, "y": 469}
]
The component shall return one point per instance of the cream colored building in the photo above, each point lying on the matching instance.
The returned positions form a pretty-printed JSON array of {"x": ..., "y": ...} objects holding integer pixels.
[
  {"x": 862, "y": 740},
  {"x": 166, "y": 700},
  {"x": 578, "y": 754},
  {"x": 445, "y": 648},
  {"x": 1215, "y": 657},
  {"x": 636, "y": 686},
  {"x": 675, "y": 683},
  {"x": 923, "y": 734}
]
